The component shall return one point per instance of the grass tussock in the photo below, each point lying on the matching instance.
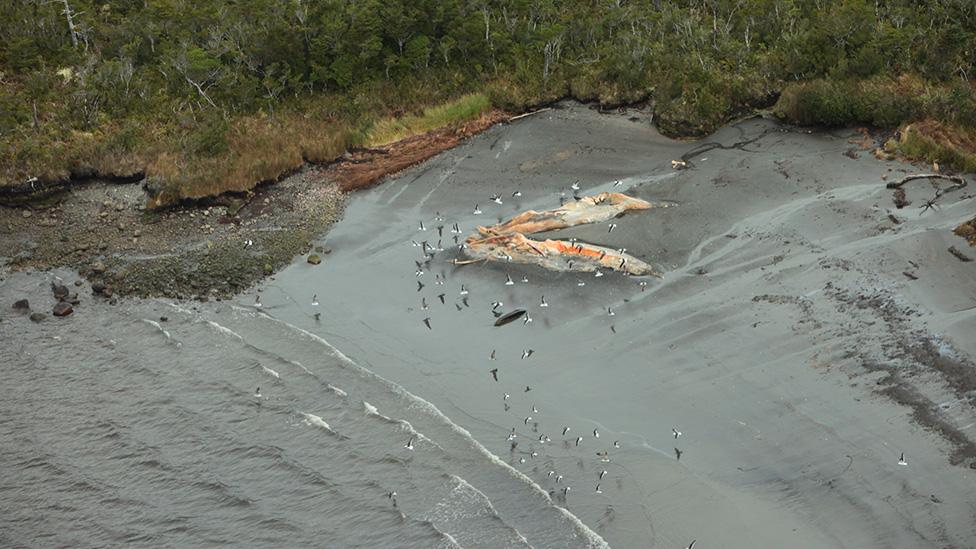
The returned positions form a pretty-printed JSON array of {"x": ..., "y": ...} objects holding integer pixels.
[
  {"x": 252, "y": 150},
  {"x": 935, "y": 142},
  {"x": 467, "y": 107}
]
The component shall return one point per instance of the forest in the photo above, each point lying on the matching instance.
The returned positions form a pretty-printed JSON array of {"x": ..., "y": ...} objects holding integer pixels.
[{"x": 205, "y": 96}]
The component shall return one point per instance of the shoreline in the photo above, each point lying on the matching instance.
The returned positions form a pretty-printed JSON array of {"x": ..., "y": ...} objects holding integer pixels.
[{"x": 211, "y": 248}]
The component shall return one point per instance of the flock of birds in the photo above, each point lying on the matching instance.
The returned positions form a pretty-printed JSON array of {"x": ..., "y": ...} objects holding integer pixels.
[
  {"x": 525, "y": 443},
  {"x": 570, "y": 441}
]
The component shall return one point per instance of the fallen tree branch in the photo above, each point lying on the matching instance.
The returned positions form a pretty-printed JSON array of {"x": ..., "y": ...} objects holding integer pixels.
[
  {"x": 960, "y": 182},
  {"x": 523, "y": 115}
]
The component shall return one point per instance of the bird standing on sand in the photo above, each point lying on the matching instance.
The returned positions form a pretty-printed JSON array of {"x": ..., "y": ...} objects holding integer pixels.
[
  {"x": 676, "y": 432},
  {"x": 441, "y": 297},
  {"x": 598, "y": 491},
  {"x": 477, "y": 210},
  {"x": 422, "y": 228},
  {"x": 257, "y": 301},
  {"x": 616, "y": 444},
  {"x": 423, "y": 303},
  {"x": 527, "y": 353},
  {"x": 315, "y": 300},
  {"x": 464, "y": 291},
  {"x": 580, "y": 283},
  {"x": 565, "y": 430},
  {"x": 257, "y": 394},
  {"x": 610, "y": 311},
  {"x": 575, "y": 186},
  {"x": 612, "y": 227},
  {"x": 527, "y": 420},
  {"x": 603, "y": 473},
  {"x": 409, "y": 444},
  {"x": 525, "y": 279},
  {"x": 527, "y": 319},
  {"x": 902, "y": 460},
  {"x": 496, "y": 198},
  {"x": 642, "y": 284},
  {"x": 516, "y": 194},
  {"x": 512, "y": 435},
  {"x": 578, "y": 440},
  {"x": 543, "y": 303},
  {"x": 509, "y": 281},
  {"x": 492, "y": 357},
  {"x": 596, "y": 434},
  {"x": 692, "y": 544},
  {"x": 392, "y": 496}
]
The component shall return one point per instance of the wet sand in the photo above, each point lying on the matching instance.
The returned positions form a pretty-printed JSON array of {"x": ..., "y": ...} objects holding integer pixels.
[{"x": 784, "y": 340}]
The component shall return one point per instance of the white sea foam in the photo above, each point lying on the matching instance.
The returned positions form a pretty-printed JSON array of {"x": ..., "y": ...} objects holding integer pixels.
[
  {"x": 270, "y": 372},
  {"x": 592, "y": 538},
  {"x": 225, "y": 330},
  {"x": 336, "y": 390},
  {"x": 314, "y": 420}
]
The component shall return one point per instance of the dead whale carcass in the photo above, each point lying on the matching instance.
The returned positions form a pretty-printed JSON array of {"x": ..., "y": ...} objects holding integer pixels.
[
  {"x": 555, "y": 255},
  {"x": 589, "y": 209}
]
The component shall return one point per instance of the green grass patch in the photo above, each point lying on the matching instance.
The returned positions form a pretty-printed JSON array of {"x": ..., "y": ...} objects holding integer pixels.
[{"x": 463, "y": 109}]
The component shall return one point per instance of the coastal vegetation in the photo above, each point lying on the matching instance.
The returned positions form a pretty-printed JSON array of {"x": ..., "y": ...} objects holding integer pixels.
[{"x": 207, "y": 96}]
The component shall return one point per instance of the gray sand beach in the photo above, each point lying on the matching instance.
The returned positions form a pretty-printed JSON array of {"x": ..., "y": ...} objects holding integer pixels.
[{"x": 784, "y": 342}]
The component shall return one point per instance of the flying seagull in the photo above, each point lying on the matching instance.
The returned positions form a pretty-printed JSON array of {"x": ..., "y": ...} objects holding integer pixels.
[
  {"x": 612, "y": 227},
  {"x": 427, "y": 322},
  {"x": 516, "y": 194},
  {"x": 677, "y": 454},
  {"x": 527, "y": 353},
  {"x": 494, "y": 373},
  {"x": 441, "y": 297},
  {"x": 676, "y": 432},
  {"x": 565, "y": 430},
  {"x": 902, "y": 460},
  {"x": 603, "y": 473},
  {"x": 420, "y": 285}
]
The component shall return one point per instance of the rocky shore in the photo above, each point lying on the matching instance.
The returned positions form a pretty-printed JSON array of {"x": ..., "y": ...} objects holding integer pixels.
[{"x": 209, "y": 249}]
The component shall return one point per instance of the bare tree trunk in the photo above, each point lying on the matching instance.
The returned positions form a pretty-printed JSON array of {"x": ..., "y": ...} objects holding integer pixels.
[{"x": 69, "y": 15}]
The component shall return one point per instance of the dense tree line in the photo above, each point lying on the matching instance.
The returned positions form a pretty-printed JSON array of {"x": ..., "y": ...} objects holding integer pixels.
[{"x": 88, "y": 64}]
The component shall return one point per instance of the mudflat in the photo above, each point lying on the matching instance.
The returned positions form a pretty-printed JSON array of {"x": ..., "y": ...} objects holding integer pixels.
[{"x": 786, "y": 342}]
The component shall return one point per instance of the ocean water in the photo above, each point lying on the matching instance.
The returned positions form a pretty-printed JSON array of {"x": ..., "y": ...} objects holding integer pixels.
[{"x": 119, "y": 427}]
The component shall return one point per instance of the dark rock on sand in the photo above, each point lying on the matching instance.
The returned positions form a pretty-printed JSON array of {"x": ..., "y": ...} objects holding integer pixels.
[
  {"x": 22, "y": 305},
  {"x": 63, "y": 308},
  {"x": 37, "y": 317},
  {"x": 60, "y": 290}
]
